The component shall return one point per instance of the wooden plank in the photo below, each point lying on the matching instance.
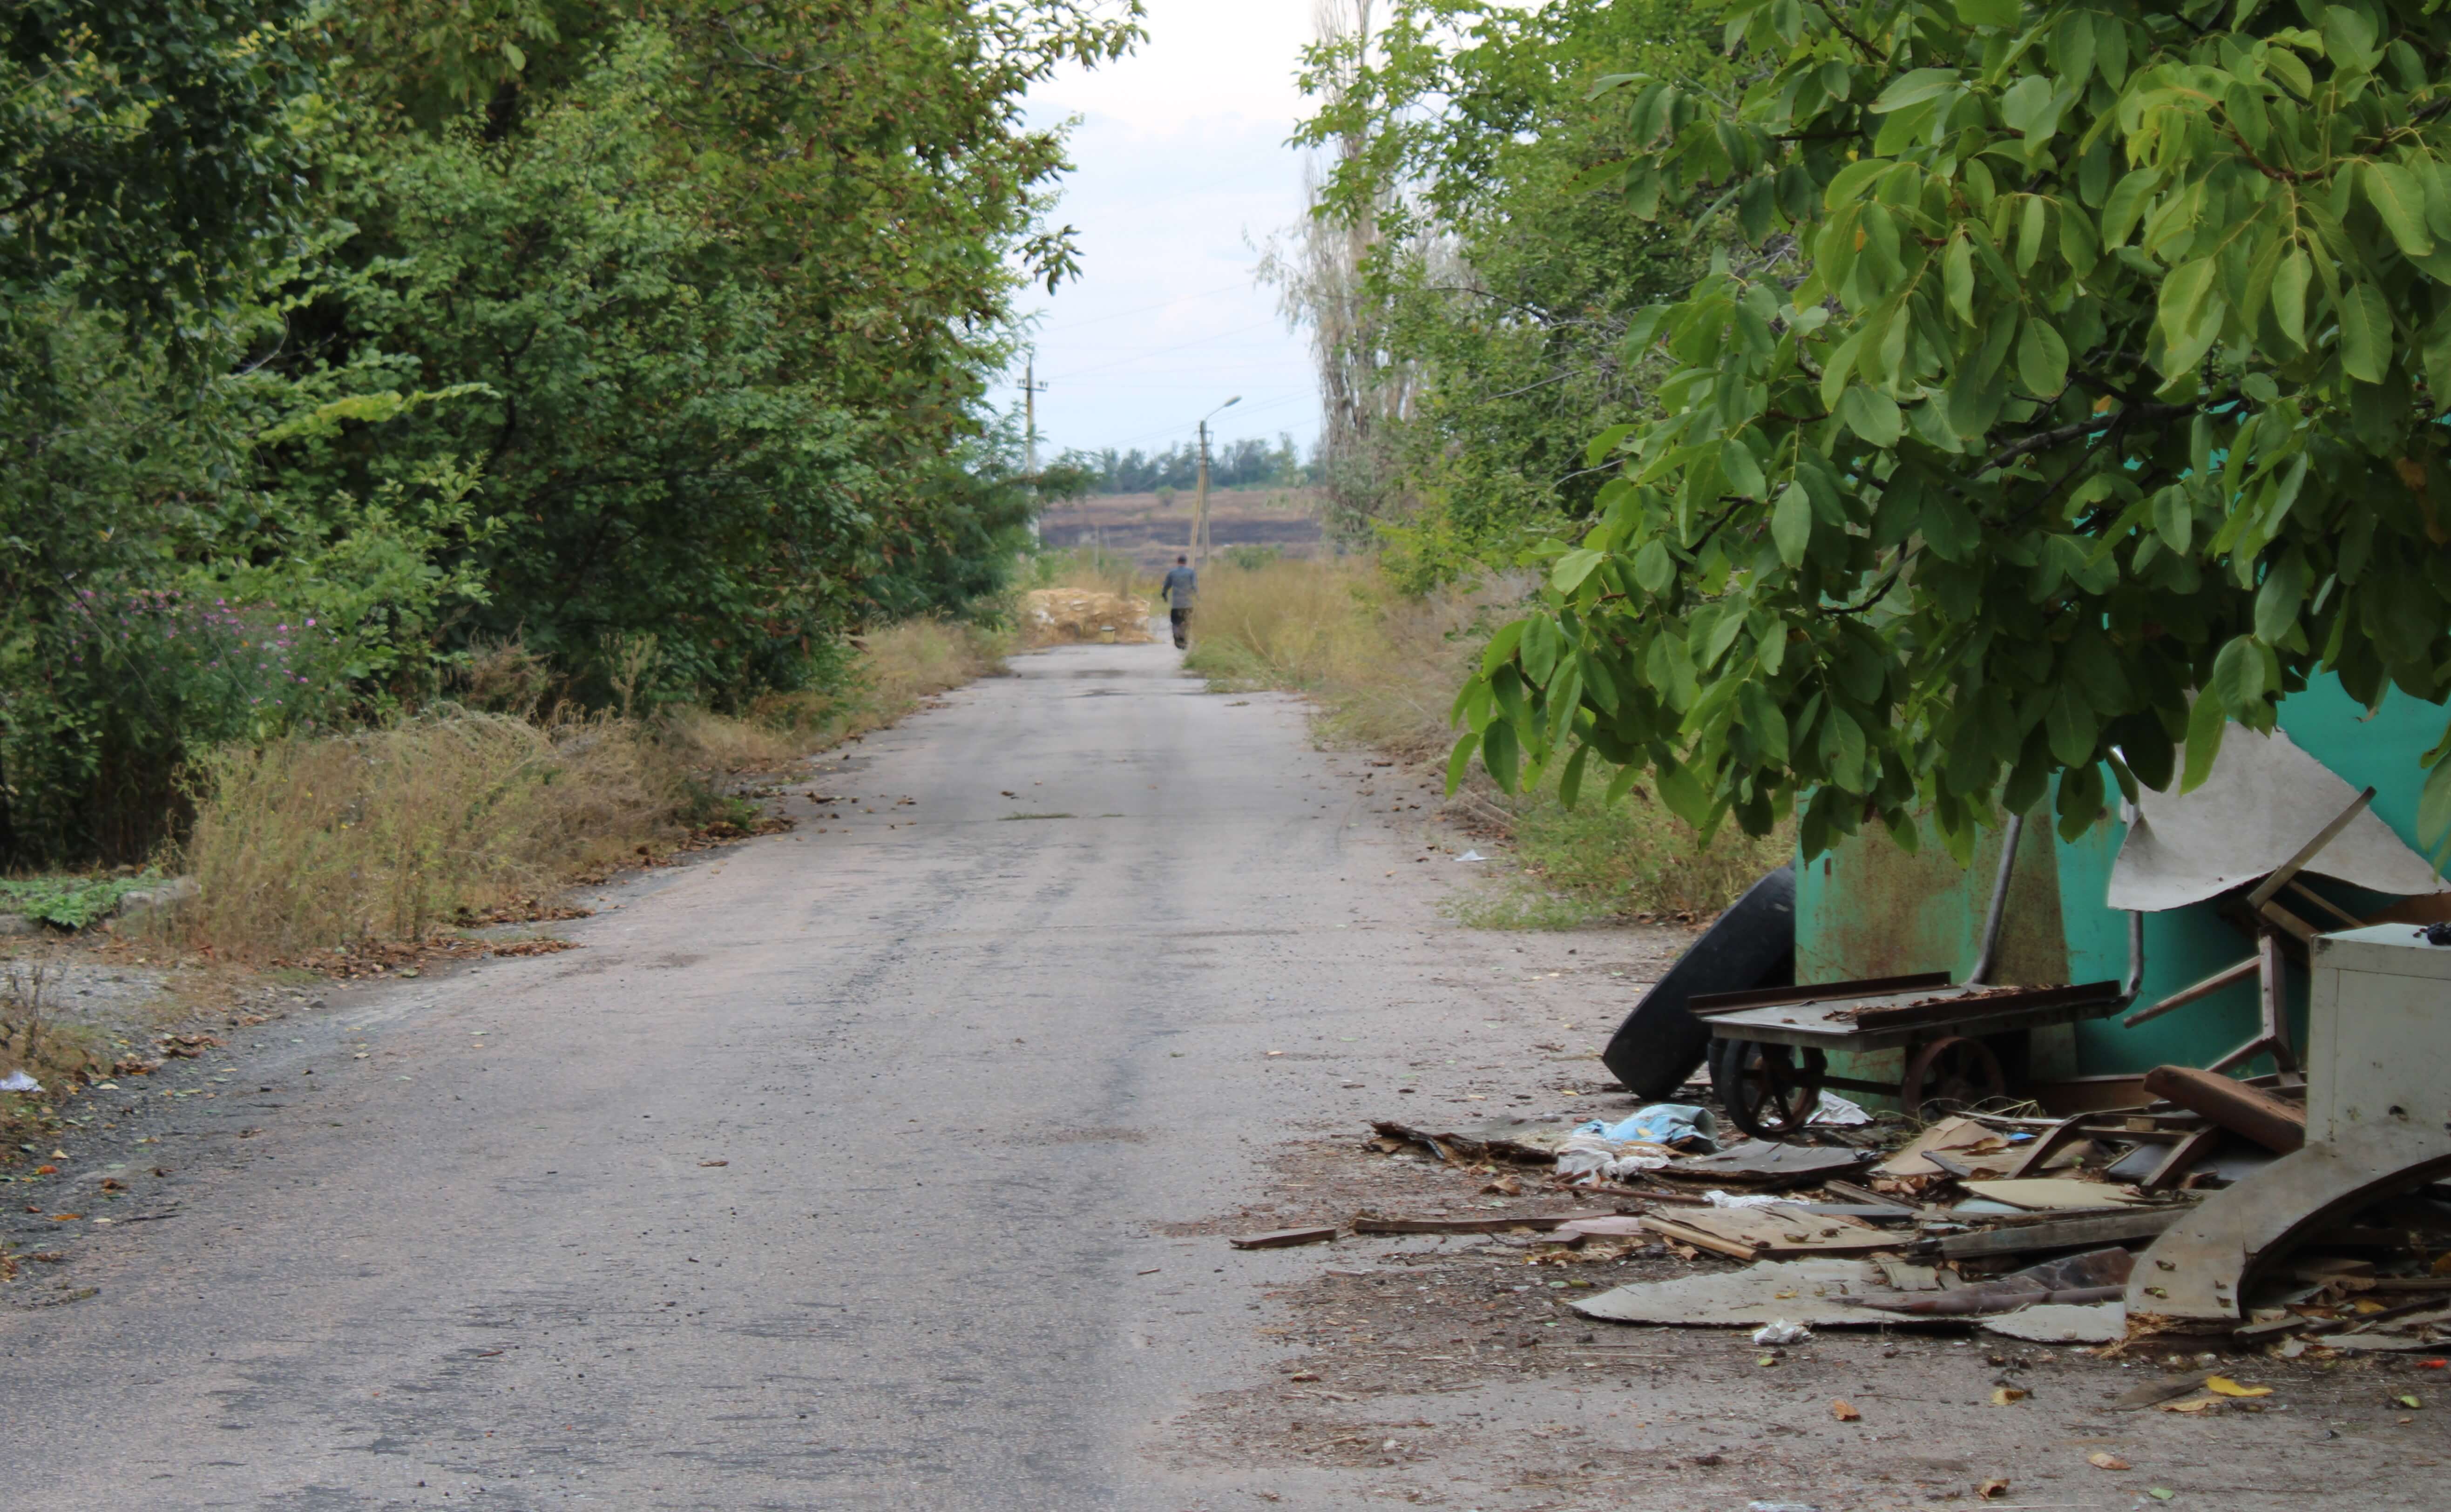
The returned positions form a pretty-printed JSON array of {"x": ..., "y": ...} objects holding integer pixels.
[
  {"x": 1493, "y": 1224},
  {"x": 1776, "y": 1232},
  {"x": 1864, "y": 1194},
  {"x": 1284, "y": 1238},
  {"x": 2064, "y": 1233},
  {"x": 2183, "y": 1154},
  {"x": 2083, "y": 995},
  {"x": 1704, "y": 1004},
  {"x": 2250, "y": 1111}
]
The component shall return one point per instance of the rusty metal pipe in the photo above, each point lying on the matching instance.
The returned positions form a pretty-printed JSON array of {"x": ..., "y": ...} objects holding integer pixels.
[{"x": 1998, "y": 914}]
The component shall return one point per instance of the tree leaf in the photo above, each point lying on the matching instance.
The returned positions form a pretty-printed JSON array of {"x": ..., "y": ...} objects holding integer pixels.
[
  {"x": 1574, "y": 567},
  {"x": 2042, "y": 359},
  {"x": 2289, "y": 295},
  {"x": 1743, "y": 473},
  {"x": 2070, "y": 726},
  {"x": 2278, "y": 600},
  {"x": 1653, "y": 568},
  {"x": 2399, "y": 201},
  {"x": 1957, "y": 269},
  {"x": 1459, "y": 759},
  {"x": 1872, "y": 415},
  {"x": 1791, "y": 525},
  {"x": 2366, "y": 333},
  {"x": 1500, "y": 754},
  {"x": 2003, "y": 14},
  {"x": 2434, "y": 811},
  {"x": 2237, "y": 677},
  {"x": 2205, "y": 724},
  {"x": 1913, "y": 88}
]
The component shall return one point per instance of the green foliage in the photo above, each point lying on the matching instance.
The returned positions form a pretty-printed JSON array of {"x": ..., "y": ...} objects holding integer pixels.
[
  {"x": 1507, "y": 292},
  {"x": 148, "y": 155},
  {"x": 2096, "y": 405},
  {"x": 70, "y": 902},
  {"x": 340, "y": 341}
]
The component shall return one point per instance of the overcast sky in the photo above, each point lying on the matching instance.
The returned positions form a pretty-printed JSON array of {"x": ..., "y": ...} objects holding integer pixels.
[{"x": 1181, "y": 169}]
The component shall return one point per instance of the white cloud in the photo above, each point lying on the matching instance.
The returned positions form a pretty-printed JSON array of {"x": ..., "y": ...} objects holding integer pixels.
[{"x": 1179, "y": 157}]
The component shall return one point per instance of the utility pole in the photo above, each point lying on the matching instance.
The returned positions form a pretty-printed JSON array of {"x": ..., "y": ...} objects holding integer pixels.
[
  {"x": 1030, "y": 389},
  {"x": 1200, "y": 509}
]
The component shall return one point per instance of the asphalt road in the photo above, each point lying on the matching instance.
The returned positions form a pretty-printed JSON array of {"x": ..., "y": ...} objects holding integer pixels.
[{"x": 836, "y": 1170}]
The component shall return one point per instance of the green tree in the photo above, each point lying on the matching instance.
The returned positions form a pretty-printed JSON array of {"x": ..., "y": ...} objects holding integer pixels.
[
  {"x": 1461, "y": 128},
  {"x": 2100, "y": 406}
]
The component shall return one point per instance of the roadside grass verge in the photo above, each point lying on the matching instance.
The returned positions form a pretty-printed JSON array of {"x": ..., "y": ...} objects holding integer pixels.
[
  {"x": 1383, "y": 669},
  {"x": 329, "y": 842}
]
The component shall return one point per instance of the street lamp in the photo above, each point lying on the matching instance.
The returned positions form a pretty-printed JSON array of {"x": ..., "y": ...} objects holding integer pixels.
[{"x": 1200, "y": 509}]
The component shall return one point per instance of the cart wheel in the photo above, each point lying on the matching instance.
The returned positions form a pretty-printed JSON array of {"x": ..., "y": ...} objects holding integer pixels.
[
  {"x": 1770, "y": 1091},
  {"x": 1950, "y": 1073}
]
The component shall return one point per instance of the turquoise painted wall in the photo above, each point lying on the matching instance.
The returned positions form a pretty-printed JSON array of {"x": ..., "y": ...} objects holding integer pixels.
[{"x": 1842, "y": 900}]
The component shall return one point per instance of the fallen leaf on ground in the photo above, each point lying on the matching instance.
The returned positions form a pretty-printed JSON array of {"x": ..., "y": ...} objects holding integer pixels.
[
  {"x": 2224, "y": 1385},
  {"x": 2160, "y": 1493},
  {"x": 1845, "y": 1411},
  {"x": 2105, "y": 1460},
  {"x": 2191, "y": 1405},
  {"x": 66, "y": 1218},
  {"x": 1992, "y": 1489},
  {"x": 715, "y": 1163},
  {"x": 46, "y": 1170},
  {"x": 2002, "y": 1396},
  {"x": 2408, "y": 1400}
]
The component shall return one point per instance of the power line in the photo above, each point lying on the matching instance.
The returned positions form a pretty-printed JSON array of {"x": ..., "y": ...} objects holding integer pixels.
[
  {"x": 1159, "y": 351},
  {"x": 1144, "y": 309},
  {"x": 1177, "y": 429}
]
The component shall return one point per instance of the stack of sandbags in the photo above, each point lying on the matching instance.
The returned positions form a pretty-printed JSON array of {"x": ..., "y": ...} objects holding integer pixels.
[{"x": 1059, "y": 616}]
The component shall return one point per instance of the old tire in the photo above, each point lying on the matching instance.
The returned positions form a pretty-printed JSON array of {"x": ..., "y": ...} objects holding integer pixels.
[{"x": 1752, "y": 945}]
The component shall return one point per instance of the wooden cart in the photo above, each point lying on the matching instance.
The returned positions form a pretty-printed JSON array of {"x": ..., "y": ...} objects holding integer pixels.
[{"x": 1771, "y": 1048}]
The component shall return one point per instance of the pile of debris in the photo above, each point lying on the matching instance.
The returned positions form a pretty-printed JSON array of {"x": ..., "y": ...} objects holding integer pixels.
[
  {"x": 1066, "y": 616},
  {"x": 2024, "y": 1227}
]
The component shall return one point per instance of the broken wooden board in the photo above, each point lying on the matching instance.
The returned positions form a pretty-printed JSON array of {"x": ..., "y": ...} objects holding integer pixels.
[
  {"x": 1760, "y": 1163},
  {"x": 1962, "y": 1140},
  {"x": 1776, "y": 1232},
  {"x": 1812, "y": 1293},
  {"x": 1508, "y": 1142},
  {"x": 1491, "y": 1225},
  {"x": 2199, "y": 1267},
  {"x": 2052, "y": 1193},
  {"x": 1613, "y": 1225},
  {"x": 2062, "y": 1322},
  {"x": 1284, "y": 1238},
  {"x": 2061, "y": 1233}
]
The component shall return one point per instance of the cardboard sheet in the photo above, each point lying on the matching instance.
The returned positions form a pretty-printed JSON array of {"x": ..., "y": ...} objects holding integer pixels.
[
  {"x": 2052, "y": 1193},
  {"x": 2264, "y": 798},
  {"x": 1806, "y": 1292}
]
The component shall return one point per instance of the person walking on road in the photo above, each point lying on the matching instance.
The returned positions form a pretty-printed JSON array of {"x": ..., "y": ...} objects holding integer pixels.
[{"x": 1182, "y": 586}]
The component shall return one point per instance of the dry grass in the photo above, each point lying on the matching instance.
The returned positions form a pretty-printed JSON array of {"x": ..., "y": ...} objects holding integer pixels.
[
  {"x": 308, "y": 844},
  {"x": 388, "y": 834},
  {"x": 1385, "y": 669},
  {"x": 897, "y": 668},
  {"x": 1093, "y": 568}
]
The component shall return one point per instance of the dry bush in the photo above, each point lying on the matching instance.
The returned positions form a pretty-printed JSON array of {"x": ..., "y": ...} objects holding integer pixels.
[
  {"x": 898, "y": 667},
  {"x": 308, "y": 843},
  {"x": 1385, "y": 669},
  {"x": 503, "y": 677},
  {"x": 312, "y": 843}
]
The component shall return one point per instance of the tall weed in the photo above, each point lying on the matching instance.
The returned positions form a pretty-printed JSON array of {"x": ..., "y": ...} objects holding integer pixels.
[
  {"x": 308, "y": 843},
  {"x": 1385, "y": 667},
  {"x": 304, "y": 843}
]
